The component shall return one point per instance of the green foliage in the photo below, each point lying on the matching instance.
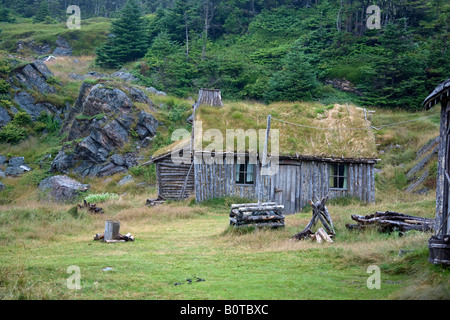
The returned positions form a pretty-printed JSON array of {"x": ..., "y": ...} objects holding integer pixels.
[
  {"x": 22, "y": 119},
  {"x": 43, "y": 14},
  {"x": 128, "y": 41},
  {"x": 99, "y": 198},
  {"x": 287, "y": 85},
  {"x": 4, "y": 86},
  {"x": 12, "y": 133}
]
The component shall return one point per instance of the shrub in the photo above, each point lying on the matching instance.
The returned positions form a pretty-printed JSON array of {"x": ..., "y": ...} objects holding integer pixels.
[
  {"x": 98, "y": 198},
  {"x": 22, "y": 119},
  {"x": 4, "y": 86},
  {"x": 12, "y": 133}
]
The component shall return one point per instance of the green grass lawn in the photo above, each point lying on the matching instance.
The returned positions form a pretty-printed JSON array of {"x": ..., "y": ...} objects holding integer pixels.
[{"x": 180, "y": 241}]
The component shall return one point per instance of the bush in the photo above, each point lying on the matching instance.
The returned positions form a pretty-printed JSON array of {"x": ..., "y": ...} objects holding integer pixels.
[
  {"x": 22, "y": 119},
  {"x": 98, "y": 198},
  {"x": 12, "y": 133},
  {"x": 4, "y": 86}
]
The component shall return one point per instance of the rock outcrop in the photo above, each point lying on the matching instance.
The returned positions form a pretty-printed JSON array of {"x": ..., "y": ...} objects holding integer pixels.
[
  {"x": 16, "y": 166},
  {"x": 103, "y": 122}
]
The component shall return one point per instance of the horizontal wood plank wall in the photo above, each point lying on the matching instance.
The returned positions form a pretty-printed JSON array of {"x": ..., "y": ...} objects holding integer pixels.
[{"x": 171, "y": 178}]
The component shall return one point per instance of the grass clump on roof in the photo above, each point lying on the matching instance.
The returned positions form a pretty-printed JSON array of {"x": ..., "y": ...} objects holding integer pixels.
[{"x": 334, "y": 131}]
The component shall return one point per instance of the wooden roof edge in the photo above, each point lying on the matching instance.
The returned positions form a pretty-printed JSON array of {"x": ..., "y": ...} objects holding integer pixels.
[{"x": 440, "y": 93}]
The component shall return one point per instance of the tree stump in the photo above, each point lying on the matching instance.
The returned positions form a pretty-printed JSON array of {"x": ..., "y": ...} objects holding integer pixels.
[{"x": 111, "y": 230}]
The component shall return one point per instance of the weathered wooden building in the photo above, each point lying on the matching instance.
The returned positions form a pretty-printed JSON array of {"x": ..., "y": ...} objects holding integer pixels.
[
  {"x": 439, "y": 244},
  {"x": 333, "y": 153}
]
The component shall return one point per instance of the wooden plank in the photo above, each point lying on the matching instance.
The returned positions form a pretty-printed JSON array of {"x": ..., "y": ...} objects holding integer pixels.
[{"x": 112, "y": 229}]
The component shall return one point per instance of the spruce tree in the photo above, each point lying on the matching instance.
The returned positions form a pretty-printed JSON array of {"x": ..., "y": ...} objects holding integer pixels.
[
  {"x": 43, "y": 13},
  {"x": 128, "y": 41}
]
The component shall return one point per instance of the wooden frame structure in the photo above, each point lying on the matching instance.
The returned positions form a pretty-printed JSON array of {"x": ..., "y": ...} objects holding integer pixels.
[{"x": 439, "y": 243}]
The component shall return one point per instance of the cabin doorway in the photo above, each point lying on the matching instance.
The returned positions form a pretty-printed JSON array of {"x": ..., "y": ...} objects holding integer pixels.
[{"x": 287, "y": 186}]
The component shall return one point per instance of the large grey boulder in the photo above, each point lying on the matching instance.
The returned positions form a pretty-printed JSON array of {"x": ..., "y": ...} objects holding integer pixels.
[
  {"x": 4, "y": 117},
  {"x": 2, "y": 186},
  {"x": 62, "y": 188}
]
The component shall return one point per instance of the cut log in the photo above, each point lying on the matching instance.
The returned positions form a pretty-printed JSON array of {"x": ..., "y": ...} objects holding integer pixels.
[
  {"x": 111, "y": 230},
  {"x": 324, "y": 235},
  {"x": 265, "y": 208},
  {"x": 240, "y": 205},
  {"x": 318, "y": 237}
]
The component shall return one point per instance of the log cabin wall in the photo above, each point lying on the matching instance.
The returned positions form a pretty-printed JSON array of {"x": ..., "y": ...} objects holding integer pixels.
[
  {"x": 293, "y": 186},
  {"x": 172, "y": 177}
]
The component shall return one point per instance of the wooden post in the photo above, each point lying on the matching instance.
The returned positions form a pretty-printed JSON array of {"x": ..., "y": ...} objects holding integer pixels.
[
  {"x": 111, "y": 230},
  {"x": 264, "y": 159}
]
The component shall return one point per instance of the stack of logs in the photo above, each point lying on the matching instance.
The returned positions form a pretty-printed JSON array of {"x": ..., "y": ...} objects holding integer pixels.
[
  {"x": 91, "y": 207},
  {"x": 389, "y": 221},
  {"x": 257, "y": 215}
]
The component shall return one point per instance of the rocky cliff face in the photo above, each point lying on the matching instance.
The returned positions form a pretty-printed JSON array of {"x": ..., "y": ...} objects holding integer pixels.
[
  {"x": 36, "y": 77},
  {"x": 102, "y": 123}
]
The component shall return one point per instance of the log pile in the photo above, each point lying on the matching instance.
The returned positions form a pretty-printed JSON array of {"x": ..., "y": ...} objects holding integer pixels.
[
  {"x": 153, "y": 202},
  {"x": 389, "y": 221},
  {"x": 320, "y": 212},
  {"x": 257, "y": 215},
  {"x": 91, "y": 207},
  {"x": 120, "y": 237}
]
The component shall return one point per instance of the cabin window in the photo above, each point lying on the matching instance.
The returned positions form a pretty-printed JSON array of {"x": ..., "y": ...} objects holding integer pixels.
[
  {"x": 245, "y": 173},
  {"x": 338, "y": 176}
]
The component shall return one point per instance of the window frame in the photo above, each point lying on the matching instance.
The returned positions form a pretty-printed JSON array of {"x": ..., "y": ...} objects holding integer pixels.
[
  {"x": 238, "y": 172},
  {"x": 344, "y": 178}
]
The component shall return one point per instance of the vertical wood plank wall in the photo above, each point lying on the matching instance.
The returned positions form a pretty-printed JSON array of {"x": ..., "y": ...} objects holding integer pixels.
[{"x": 293, "y": 186}]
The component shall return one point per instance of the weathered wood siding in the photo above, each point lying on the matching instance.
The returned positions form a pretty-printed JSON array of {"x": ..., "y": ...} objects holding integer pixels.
[
  {"x": 442, "y": 203},
  {"x": 218, "y": 180},
  {"x": 172, "y": 177},
  {"x": 294, "y": 185}
]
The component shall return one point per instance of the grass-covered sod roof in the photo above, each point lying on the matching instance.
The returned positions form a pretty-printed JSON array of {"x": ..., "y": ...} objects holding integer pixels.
[{"x": 336, "y": 131}]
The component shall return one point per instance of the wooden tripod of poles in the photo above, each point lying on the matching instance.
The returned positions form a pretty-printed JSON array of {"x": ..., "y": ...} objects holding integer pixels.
[{"x": 320, "y": 212}]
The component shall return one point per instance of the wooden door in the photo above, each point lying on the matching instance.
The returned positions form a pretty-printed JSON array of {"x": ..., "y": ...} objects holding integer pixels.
[{"x": 287, "y": 188}]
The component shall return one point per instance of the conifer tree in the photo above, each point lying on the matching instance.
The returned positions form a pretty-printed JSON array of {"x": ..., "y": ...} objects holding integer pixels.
[{"x": 128, "y": 40}]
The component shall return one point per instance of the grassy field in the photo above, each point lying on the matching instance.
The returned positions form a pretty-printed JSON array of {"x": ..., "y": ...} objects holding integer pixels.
[{"x": 180, "y": 241}]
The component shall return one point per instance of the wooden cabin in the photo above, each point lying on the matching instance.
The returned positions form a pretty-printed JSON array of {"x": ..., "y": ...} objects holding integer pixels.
[
  {"x": 326, "y": 151},
  {"x": 439, "y": 243}
]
